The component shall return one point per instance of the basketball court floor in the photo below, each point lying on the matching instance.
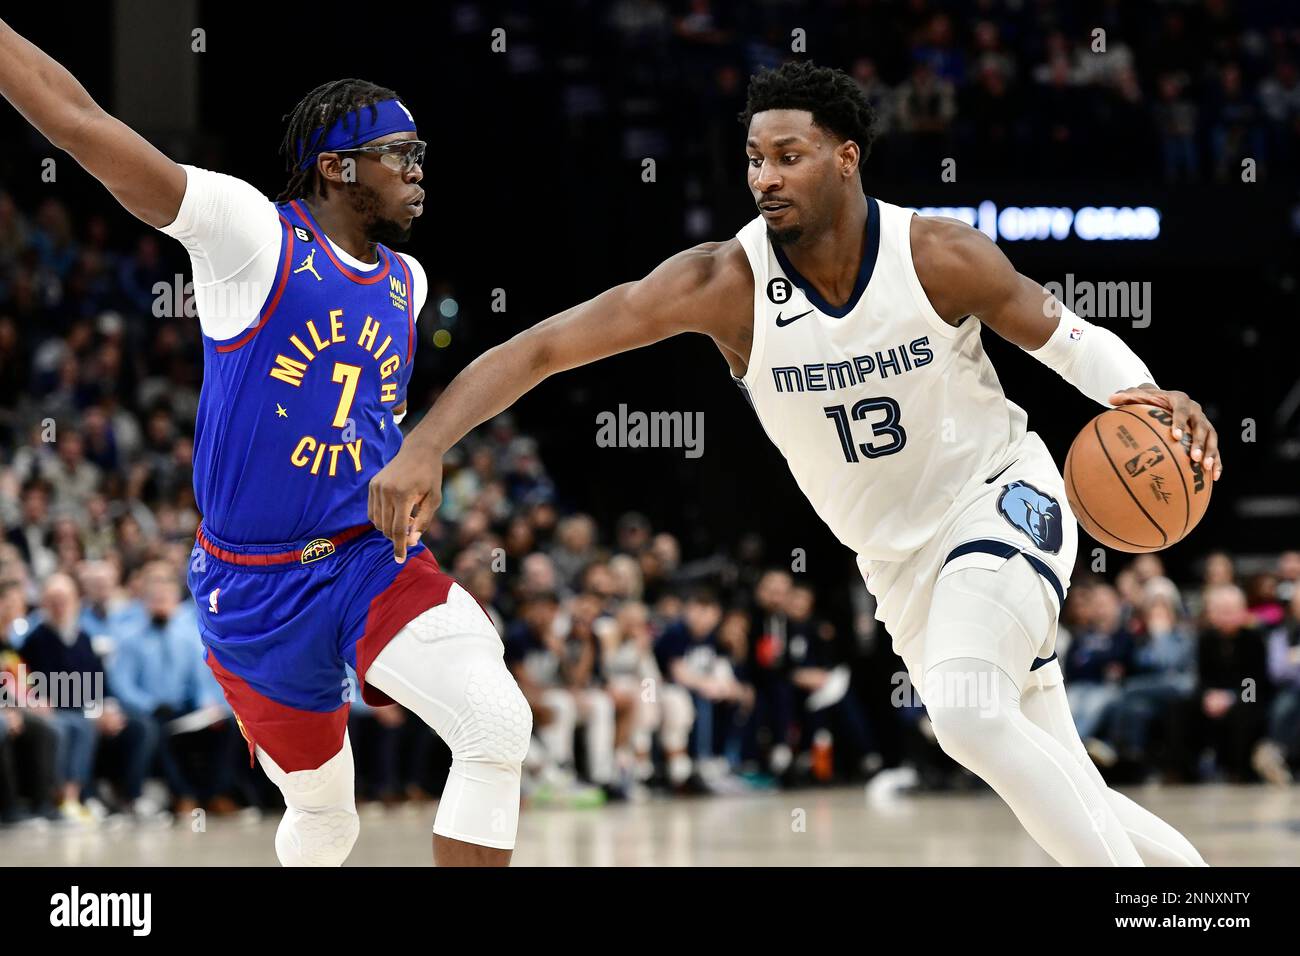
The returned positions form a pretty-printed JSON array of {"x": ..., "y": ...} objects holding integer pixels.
[{"x": 1230, "y": 825}]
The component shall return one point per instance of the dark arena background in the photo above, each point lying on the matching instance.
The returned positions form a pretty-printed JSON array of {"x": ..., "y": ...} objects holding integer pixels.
[{"x": 1144, "y": 153}]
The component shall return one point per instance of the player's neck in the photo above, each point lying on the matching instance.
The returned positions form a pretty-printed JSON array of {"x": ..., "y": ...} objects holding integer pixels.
[
  {"x": 831, "y": 260},
  {"x": 341, "y": 226}
]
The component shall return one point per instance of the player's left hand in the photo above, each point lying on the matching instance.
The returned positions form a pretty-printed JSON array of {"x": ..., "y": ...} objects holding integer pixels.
[{"x": 1189, "y": 417}]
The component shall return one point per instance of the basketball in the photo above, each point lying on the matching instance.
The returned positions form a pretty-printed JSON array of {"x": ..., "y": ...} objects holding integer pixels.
[{"x": 1131, "y": 486}]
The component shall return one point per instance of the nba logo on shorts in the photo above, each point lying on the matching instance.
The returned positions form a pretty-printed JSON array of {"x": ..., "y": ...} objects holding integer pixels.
[{"x": 1034, "y": 513}]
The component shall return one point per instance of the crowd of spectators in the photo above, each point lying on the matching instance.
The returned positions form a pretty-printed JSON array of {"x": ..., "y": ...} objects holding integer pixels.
[
  {"x": 1188, "y": 683},
  {"x": 1182, "y": 91}
]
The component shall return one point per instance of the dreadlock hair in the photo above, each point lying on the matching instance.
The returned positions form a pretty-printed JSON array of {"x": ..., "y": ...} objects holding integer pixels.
[
  {"x": 836, "y": 102},
  {"x": 319, "y": 110}
]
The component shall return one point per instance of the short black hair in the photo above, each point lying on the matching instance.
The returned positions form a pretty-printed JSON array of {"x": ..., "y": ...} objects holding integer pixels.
[
  {"x": 836, "y": 102},
  {"x": 319, "y": 110},
  {"x": 703, "y": 595}
]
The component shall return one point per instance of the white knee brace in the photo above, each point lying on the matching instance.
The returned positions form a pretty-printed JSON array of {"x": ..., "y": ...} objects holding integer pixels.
[
  {"x": 320, "y": 822},
  {"x": 446, "y": 666},
  {"x": 1005, "y": 617}
]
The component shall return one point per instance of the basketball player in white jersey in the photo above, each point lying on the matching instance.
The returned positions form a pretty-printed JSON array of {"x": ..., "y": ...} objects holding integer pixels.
[{"x": 854, "y": 327}]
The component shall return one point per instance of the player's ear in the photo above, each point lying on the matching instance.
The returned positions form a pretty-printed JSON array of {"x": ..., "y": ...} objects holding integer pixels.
[
  {"x": 334, "y": 168},
  {"x": 849, "y": 155}
]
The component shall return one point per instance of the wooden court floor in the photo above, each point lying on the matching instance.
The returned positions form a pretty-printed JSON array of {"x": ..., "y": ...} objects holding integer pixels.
[{"x": 1230, "y": 825}]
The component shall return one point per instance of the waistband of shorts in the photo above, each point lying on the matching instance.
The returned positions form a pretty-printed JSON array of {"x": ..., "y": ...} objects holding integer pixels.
[{"x": 288, "y": 554}]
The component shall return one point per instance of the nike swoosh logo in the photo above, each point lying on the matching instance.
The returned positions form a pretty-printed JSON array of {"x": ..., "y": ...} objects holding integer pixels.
[
  {"x": 782, "y": 323},
  {"x": 989, "y": 481}
]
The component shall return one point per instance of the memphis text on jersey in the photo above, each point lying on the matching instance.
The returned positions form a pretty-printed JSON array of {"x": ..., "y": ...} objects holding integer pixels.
[
  {"x": 828, "y": 376},
  {"x": 320, "y": 455}
]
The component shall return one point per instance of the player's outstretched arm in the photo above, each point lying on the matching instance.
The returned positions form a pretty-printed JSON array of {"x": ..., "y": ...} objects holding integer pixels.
[
  {"x": 685, "y": 294},
  {"x": 963, "y": 273},
  {"x": 142, "y": 179}
]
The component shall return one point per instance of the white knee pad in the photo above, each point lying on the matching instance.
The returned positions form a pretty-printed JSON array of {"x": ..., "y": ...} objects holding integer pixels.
[
  {"x": 446, "y": 666},
  {"x": 1005, "y": 617},
  {"x": 320, "y": 823},
  {"x": 497, "y": 724}
]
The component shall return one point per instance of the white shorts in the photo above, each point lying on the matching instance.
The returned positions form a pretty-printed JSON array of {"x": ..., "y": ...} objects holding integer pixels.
[{"x": 1019, "y": 508}]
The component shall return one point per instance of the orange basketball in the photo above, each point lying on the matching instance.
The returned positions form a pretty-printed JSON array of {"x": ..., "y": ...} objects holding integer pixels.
[{"x": 1131, "y": 486}]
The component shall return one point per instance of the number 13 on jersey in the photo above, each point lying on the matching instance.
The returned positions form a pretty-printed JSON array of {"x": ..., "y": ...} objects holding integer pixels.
[{"x": 888, "y": 427}]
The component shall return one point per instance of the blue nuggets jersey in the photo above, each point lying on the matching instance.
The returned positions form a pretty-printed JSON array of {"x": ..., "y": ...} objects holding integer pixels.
[{"x": 295, "y": 415}]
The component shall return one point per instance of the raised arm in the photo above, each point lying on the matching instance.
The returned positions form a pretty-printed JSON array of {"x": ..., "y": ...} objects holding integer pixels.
[
  {"x": 694, "y": 291},
  {"x": 963, "y": 273},
  {"x": 141, "y": 178}
]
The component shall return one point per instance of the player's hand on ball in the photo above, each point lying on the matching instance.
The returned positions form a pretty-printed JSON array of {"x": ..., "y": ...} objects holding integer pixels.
[
  {"x": 405, "y": 495},
  {"x": 1189, "y": 418}
]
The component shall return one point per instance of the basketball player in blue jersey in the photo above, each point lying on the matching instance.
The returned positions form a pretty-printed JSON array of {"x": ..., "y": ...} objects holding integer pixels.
[
  {"x": 853, "y": 327},
  {"x": 308, "y": 323}
]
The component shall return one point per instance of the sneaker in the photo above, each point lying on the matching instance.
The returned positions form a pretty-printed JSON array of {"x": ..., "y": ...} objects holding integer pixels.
[
  {"x": 728, "y": 785},
  {"x": 148, "y": 811},
  {"x": 222, "y": 806},
  {"x": 74, "y": 813},
  {"x": 576, "y": 796},
  {"x": 558, "y": 787},
  {"x": 889, "y": 784},
  {"x": 692, "y": 786},
  {"x": 1270, "y": 763}
]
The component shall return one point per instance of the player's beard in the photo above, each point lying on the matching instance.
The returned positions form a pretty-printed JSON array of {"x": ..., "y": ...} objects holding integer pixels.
[
  {"x": 365, "y": 201},
  {"x": 785, "y": 237}
]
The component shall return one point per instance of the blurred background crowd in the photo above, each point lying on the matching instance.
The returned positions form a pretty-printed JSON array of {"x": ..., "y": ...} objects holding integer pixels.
[
  {"x": 1187, "y": 87},
  {"x": 661, "y": 652}
]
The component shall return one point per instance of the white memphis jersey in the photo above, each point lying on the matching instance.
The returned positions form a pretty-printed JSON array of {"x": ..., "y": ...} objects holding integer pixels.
[{"x": 883, "y": 411}]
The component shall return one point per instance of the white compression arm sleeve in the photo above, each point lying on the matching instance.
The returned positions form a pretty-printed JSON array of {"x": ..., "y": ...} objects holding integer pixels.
[{"x": 1092, "y": 359}]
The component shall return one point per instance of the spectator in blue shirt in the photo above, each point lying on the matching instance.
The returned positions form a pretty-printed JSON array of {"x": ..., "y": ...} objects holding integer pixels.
[
  {"x": 158, "y": 674},
  {"x": 1099, "y": 658},
  {"x": 1152, "y": 700},
  {"x": 104, "y": 609},
  {"x": 60, "y": 651},
  {"x": 689, "y": 655}
]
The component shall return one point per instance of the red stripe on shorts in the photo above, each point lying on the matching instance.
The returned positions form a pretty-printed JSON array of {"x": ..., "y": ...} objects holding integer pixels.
[
  {"x": 295, "y": 739},
  {"x": 418, "y": 586}
]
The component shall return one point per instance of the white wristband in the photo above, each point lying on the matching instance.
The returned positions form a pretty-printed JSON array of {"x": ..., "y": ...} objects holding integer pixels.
[{"x": 1092, "y": 359}]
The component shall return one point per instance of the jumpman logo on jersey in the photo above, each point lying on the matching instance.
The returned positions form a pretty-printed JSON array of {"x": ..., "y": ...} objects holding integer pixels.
[{"x": 307, "y": 266}]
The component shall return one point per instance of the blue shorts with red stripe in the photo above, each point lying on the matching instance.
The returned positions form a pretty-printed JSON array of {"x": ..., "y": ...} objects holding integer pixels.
[{"x": 280, "y": 622}]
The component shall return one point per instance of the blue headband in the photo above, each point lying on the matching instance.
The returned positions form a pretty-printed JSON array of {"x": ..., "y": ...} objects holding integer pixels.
[{"x": 359, "y": 126}]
